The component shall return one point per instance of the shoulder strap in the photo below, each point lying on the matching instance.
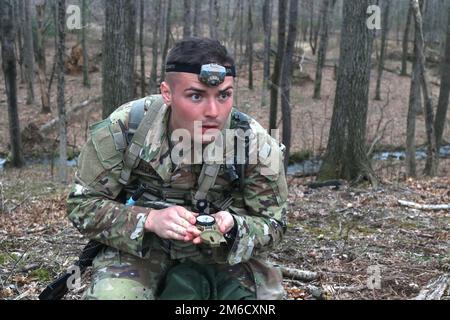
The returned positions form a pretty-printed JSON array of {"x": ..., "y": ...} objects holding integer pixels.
[
  {"x": 131, "y": 157},
  {"x": 206, "y": 180}
]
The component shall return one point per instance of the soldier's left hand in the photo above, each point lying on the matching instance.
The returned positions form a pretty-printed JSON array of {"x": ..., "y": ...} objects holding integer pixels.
[{"x": 224, "y": 220}]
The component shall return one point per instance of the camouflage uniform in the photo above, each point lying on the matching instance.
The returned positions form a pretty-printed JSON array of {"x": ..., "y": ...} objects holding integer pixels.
[{"x": 134, "y": 263}]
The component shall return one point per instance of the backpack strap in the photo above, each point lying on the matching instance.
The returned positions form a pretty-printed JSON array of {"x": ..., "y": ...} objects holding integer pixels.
[
  {"x": 206, "y": 180},
  {"x": 133, "y": 152}
]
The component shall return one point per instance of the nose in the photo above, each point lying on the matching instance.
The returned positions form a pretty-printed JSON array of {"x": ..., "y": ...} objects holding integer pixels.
[{"x": 212, "y": 109}]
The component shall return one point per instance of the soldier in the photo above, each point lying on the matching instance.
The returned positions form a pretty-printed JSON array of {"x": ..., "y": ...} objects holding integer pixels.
[{"x": 154, "y": 252}]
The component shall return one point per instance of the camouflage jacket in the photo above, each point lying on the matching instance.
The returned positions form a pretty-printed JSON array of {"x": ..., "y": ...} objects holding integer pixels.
[{"x": 96, "y": 211}]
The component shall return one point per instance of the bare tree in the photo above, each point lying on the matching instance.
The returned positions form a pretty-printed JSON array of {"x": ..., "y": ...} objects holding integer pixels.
[
  {"x": 141, "y": 45},
  {"x": 286, "y": 75},
  {"x": 197, "y": 11},
  {"x": 405, "y": 43},
  {"x": 314, "y": 29},
  {"x": 323, "y": 44},
  {"x": 414, "y": 106},
  {"x": 441, "y": 112},
  {"x": 118, "y": 54},
  {"x": 7, "y": 36},
  {"x": 84, "y": 23},
  {"x": 187, "y": 21},
  {"x": 346, "y": 155},
  {"x": 384, "y": 33},
  {"x": 431, "y": 163},
  {"x": 60, "y": 92},
  {"x": 153, "y": 83},
  {"x": 250, "y": 45},
  {"x": 282, "y": 7},
  {"x": 167, "y": 37},
  {"x": 40, "y": 56},
  {"x": 28, "y": 50},
  {"x": 267, "y": 25}
]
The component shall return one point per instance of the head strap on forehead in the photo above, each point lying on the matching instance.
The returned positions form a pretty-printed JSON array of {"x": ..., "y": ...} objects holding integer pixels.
[{"x": 210, "y": 74}]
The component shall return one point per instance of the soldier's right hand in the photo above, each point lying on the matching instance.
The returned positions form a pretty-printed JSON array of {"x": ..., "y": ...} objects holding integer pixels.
[{"x": 174, "y": 223}]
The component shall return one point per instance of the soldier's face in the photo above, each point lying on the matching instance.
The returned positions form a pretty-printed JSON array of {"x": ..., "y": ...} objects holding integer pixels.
[{"x": 193, "y": 102}]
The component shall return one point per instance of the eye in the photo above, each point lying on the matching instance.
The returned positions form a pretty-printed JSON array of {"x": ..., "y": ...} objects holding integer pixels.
[
  {"x": 225, "y": 95},
  {"x": 195, "y": 97}
]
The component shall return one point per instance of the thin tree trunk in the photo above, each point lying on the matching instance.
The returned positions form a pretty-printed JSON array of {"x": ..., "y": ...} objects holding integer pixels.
[
  {"x": 141, "y": 45},
  {"x": 250, "y": 46},
  {"x": 414, "y": 105},
  {"x": 441, "y": 113},
  {"x": 431, "y": 163},
  {"x": 267, "y": 25},
  {"x": 18, "y": 10},
  {"x": 286, "y": 75},
  {"x": 84, "y": 24},
  {"x": 405, "y": 44},
  {"x": 346, "y": 155},
  {"x": 282, "y": 6},
  {"x": 153, "y": 82},
  {"x": 241, "y": 27},
  {"x": 118, "y": 54},
  {"x": 7, "y": 37},
  {"x": 28, "y": 51},
  {"x": 167, "y": 38},
  {"x": 322, "y": 54},
  {"x": 313, "y": 31},
  {"x": 60, "y": 93},
  {"x": 384, "y": 33},
  {"x": 40, "y": 57},
  {"x": 197, "y": 9},
  {"x": 187, "y": 21}
]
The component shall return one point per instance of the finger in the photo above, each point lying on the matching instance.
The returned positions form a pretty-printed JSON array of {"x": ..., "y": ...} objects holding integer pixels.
[
  {"x": 197, "y": 240},
  {"x": 193, "y": 230},
  {"x": 186, "y": 215},
  {"x": 174, "y": 236}
]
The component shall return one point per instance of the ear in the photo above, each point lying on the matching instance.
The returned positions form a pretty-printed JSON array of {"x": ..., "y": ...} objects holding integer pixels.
[{"x": 166, "y": 93}]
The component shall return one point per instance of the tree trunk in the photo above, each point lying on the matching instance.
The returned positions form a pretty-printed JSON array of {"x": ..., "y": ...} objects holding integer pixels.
[
  {"x": 346, "y": 156},
  {"x": 40, "y": 57},
  {"x": 405, "y": 44},
  {"x": 241, "y": 27},
  {"x": 60, "y": 92},
  {"x": 18, "y": 10},
  {"x": 213, "y": 19},
  {"x": 28, "y": 51},
  {"x": 286, "y": 76},
  {"x": 313, "y": 31},
  {"x": 414, "y": 106},
  {"x": 441, "y": 113},
  {"x": 282, "y": 6},
  {"x": 153, "y": 82},
  {"x": 322, "y": 54},
  {"x": 250, "y": 46},
  {"x": 431, "y": 164},
  {"x": 267, "y": 25},
  {"x": 167, "y": 38},
  {"x": 197, "y": 11},
  {"x": 187, "y": 22},
  {"x": 384, "y": 33},
  {"x": 7, "y": 37},
  {"x": 84, "y": 24},
  {"x": 118, "y": 54},
  {"x": 141, "y": 45}
]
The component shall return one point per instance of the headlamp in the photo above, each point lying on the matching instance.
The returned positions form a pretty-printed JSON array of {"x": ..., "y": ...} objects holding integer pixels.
[{"x": 210, "y": 74}]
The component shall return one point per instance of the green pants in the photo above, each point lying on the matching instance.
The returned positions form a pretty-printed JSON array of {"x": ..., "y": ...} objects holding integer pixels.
[{"x": 121, "y": 276}]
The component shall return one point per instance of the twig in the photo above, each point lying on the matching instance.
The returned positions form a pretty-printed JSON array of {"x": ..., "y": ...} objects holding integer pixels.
[
  {"x": 424, "y": 206},
  {"x": 435, "y": 288},
  {"x": 302, "y": 275},
  {"x": 2, "y": 204}
]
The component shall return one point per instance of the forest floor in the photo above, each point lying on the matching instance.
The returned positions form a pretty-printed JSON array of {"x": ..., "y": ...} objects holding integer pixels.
[
  {"x": 340, "y": 234},
  {"x": 343, "y": 235}
]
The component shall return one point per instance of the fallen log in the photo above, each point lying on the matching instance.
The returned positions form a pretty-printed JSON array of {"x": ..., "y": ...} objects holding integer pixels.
[
  {"x": 435, "y": 288},
  {"x": 419, "y": 206},
  {"x": 302, "y": 275},
  {"x": 52, "y": 123}
]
